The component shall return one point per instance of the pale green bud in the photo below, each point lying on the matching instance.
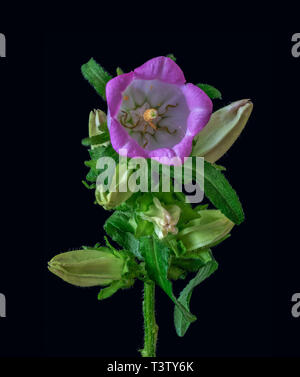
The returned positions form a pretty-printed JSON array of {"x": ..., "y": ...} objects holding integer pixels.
[
  {"x": 96, "y": 118},
  {"x": 164, "y": 218},
  {"x": 87, "y": 268},
  {"x": 205, "y": 231},
  {"x": 118, "y": 191},
  {"x": 222, "y": 130}
]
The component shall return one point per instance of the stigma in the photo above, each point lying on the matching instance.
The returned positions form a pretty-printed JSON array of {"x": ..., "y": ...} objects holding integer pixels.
[{"x": 150, "y": 114}]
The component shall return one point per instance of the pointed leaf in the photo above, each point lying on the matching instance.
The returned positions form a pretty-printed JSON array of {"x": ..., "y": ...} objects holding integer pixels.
[
  {"x": 156, "y": 256},
  {"x": 181, "y": 324},
  {"x": 117, "y": 226},
  {"x": 97, "y": 139},
  {"x": 211, "y": 91},
  {"x": 119, "y": 71},
  {"x": 219, "y": 191},
  {"x": 114, "y": 287},
  {"x": 171, "y": 56},
  {"x": 110, "y": 290},
  {"x": 192, "y": 261},
  {"x": 96, "y": 76}
]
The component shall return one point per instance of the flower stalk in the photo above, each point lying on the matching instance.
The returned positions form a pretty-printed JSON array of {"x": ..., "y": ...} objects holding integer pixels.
[{"x": 150, "y": 325}]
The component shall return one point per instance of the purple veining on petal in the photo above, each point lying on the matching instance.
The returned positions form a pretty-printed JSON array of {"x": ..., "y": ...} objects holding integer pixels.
[{"x": 120, "y": 140}]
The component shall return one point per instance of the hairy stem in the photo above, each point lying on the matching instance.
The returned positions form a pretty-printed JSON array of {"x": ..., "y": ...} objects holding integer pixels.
[{"x": 150, "y": 326}]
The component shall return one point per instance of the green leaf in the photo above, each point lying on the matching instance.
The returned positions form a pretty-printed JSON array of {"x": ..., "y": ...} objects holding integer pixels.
[
  {"x": 119, "y": 229},
  {"x": 191, "y": 262},
  {"x": 181, "y": 324},
  {"x": 97, "y": 139},
  {"x": 119, "y": 71},
  {"x": 130, "y": 272},
  {"x": 219, "y": 191},
  {"x": 144, "y": 228},
  {"x": 92, "y": 175},
  {"x": 175, "y": 273},
  {"x": 103, "y": 126},
  {"x": 219, "y": 167},
  {"x": 171, "y": 56},
  {"x": 175, "y": 245},
  {"x": 110, "y": 290},
  {"x": 212, "y": 92},
  {"x": 95, "y": 154},
  {"x": 104, "y": 152},
  {"x": 114, "y": 287},
  {"x": 121, "y": 222},
  {"x": 90, "y": 163},
  {"x": 156, "y": 256},
  {"x": 90, "y": 187},
  {"x": 96, "y": 76}
]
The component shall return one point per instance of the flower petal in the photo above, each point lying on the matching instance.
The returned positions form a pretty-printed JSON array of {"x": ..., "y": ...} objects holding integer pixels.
[
  {"x": 166, "y": 156},
  {"x": 122, "y": 142},
  {"x": 161, "y": 68},
  {"x": 114, "y": 90},
  {"x": 188, "y": 107},
  {"x": 197, "y": 119},
  {"x": 184, "y": 148},
  {"x": 196, "y": 98}
]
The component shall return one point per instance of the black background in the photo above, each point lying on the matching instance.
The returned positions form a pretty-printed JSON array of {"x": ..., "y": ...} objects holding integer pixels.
[{"x": 244, "y": 309}]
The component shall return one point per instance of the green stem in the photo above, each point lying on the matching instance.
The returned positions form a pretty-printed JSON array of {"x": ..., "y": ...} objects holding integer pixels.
[{"x": 150, "y": 326}]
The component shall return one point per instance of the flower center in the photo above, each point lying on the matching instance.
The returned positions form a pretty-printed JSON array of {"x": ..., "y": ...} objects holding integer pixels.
[
  {"x": 150, "y": 114},
  {"x": 154, "y": 114},
  {"x": 138, "y": 120}
]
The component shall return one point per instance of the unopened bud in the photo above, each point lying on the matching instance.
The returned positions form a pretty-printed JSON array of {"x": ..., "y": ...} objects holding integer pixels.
[
  {"x": 222, "y": 130},
  {"x": 87, "y": 268},
  {"x": 211, "y": 226},
  {"x": 96, "y": 118},
  {"x": 118, "y": 191}
]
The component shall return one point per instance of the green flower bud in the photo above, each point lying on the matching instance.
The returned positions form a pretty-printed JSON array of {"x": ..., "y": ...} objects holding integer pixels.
[
  {"x": 87, "y": 268},
  {"x": 118, "y": 191},
  {"x": 211, "y": 226},
  {"x": 96, "y": 118},
  {"x": 222, "y": 130},
  {"x": 164, "y": 218}
]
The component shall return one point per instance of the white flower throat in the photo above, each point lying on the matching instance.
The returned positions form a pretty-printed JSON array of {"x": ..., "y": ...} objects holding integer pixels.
[
  {"x": 145, "y": 121},
  {"x": 154, "y": 114}
]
